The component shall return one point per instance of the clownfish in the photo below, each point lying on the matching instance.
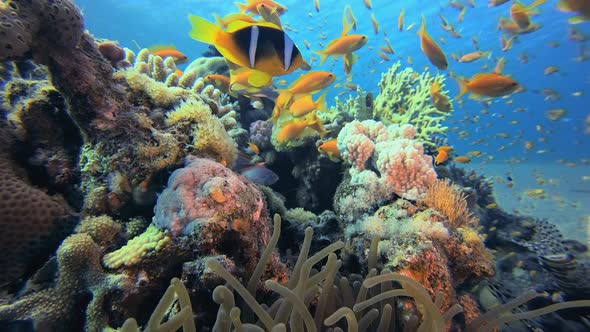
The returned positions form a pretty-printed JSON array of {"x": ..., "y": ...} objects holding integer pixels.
[{"x": 261, "y": 46}]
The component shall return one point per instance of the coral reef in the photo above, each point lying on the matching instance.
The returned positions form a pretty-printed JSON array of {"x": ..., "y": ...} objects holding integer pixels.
[
  {"x": 386, "y": 161},
  {"x": 128, "y": 103},
  {"x": 315, "y": 299},
  {"x": 147, "y": 159},
  {"x": 260, "y": 132},
  {"x": 426, "y": 246},
  {"x": 208, "y": 65},
  {"x": 207, "y": 194},
  {"x": 405, "y": 98}
]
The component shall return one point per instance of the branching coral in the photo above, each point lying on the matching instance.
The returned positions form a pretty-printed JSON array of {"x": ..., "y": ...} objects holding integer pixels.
[
  {"x": 404, "y": 98},
  {"x": 359, "y": 107},
  {"x": 80, "y": 272}
]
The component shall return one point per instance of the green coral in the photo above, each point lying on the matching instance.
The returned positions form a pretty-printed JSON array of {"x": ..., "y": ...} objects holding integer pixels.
[
  {"x": 359, "y": 107},
  {"x": 130, "y": 254},
  {"x": 404, "y": 97}
]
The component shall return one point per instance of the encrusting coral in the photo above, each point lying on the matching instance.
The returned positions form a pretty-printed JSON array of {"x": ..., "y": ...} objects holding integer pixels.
[{"x": 405, "y": 98}]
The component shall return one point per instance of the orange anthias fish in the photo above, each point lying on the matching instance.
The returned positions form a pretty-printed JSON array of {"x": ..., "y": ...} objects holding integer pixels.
[
  {"x": 439, "y": 101},
  {"x": 473, "y": 56},
  {"x": 521, "y": 14},
  {"x": 294, "y": 128},
  {"x": 304, "y": 104},
  {"x": 581, "y": 7},
  {"x": 246, "y": 81},
  {"x": 374, "y": 23},
  {"x": 345, "y": 44},
  {"x": 330, "y": 149},
  {"x": 165, "y": 51},
  {"x": 431, "y": 49},
  {"x": 487, "y": 84},
  {"x": 261, "y": 52},
  {"x": 442, "y": 155},
  {"x": 462, "y": 159},
  {"x": 252, "y": 6},
  {"x": 400, "y": 21},
  {"x": 311, "y": 82},
  {"x": 221, "y": 82},
  {"x": 269, "y": 14}
]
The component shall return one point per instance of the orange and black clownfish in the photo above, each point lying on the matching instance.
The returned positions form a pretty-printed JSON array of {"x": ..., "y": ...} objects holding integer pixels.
[{"x": 259, "y": 46}]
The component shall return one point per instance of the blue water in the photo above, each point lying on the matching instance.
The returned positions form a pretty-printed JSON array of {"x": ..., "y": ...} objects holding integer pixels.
[{"x": 157, "y": 22}]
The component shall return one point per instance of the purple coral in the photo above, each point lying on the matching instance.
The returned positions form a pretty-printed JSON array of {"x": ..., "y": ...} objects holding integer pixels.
[
  {"x": 205, "y": 192},
  {"x": 260, "y": 133}
]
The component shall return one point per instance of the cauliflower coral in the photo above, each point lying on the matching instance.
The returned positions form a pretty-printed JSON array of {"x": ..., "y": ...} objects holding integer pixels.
[{"x": 391, "y": 153}]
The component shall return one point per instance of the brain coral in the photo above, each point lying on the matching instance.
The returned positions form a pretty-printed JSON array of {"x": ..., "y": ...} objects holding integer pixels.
[
  {"x": 58, "y": 21},
  {"x": 32, "y": 223}
]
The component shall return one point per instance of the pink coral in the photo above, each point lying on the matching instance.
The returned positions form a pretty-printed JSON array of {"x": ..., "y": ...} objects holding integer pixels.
[
  {"x": 206, "y": 192},
  {"x": 405, "y": 167},
  {"x": 392, "y": 151}
]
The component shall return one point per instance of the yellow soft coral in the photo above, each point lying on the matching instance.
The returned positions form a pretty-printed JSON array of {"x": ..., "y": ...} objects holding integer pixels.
[
  {"x": 209, "y": 135},
  {"x": 151, "y": 240}
]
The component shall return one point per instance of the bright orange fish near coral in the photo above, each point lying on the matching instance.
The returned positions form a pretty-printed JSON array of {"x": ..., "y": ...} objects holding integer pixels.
[
  {"x": 330, "y": 149},
  {"x": 294, "y": 128},
  {"x": 165, "y": 51},
  {"x": 442, "y": 154},
  {"x": 224, "y": 22},
  {"x": 430, "y": 48},
  {"x": 304, "y": 104},
  {"x": 252, "y": 6},
  {"x": 439, "y": 100}
]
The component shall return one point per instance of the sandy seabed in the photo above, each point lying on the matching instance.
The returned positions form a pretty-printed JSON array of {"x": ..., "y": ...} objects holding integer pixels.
[{"x": 565, "y": 201}]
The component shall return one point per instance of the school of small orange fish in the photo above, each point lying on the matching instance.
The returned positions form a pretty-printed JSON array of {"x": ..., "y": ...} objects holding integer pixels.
[{"x": 486, "y": 87}]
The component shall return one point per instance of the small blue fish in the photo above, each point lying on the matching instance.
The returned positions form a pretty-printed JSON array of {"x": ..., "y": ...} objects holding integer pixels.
[{"x": 260, "y": 175}]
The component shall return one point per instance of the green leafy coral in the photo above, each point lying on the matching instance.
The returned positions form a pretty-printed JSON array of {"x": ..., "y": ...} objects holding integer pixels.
[{"x": 404, "y": 97}]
